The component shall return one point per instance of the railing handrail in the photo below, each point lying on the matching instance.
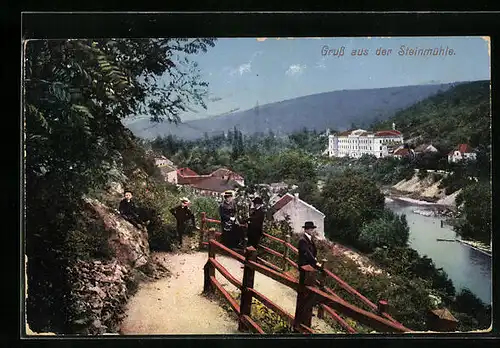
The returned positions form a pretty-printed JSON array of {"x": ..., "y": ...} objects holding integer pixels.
[
  {"x": 364, "y": 317},
  {"x": 344, "y": 285},
  {"x": 326, "y": 297}
]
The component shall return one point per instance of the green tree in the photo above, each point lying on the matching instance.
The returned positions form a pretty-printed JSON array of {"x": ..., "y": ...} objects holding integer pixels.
[
  {"x": 76, "y": 93},
  {"x": 349, "y": 201},
  {"x": 474, "y": 213},
  {"x": 388, "y": 231}
]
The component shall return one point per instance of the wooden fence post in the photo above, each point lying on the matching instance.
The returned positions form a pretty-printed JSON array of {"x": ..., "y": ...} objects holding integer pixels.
[
  {"x": 202, "y": 228},
  {"x": 322, "y": 279},
  {"x": 209, "y": 270},
  {"x": 285, "y": 253},
  {"x": 382, "y": 307},
  {"x": 248, "y": 280},
  {"x": 305, "y": 304}
]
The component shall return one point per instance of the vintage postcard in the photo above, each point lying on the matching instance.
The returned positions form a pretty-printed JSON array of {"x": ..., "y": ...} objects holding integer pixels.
[{"x": 219, "y": 186}]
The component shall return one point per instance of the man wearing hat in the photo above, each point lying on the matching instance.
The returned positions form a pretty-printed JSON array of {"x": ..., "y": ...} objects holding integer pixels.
[
  {"x": 255, "y": 222},
  {"x": 227, "y": 210},
  {"x": 182, "y": 215},
  {"x": 307, "y": 248}
]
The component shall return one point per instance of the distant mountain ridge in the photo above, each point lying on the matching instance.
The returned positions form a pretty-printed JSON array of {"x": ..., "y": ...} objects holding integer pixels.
[{"x": 335, "y": 110}]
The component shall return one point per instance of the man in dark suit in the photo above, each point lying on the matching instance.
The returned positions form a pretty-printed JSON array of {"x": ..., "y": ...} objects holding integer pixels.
[
  {"x": 182, "y": 215},
  {"x": 227, "y": 211},
  {"x": 255, "y": 222},
  {"x": 129, "y": 210},
  {"x": 307, "y": 248}
]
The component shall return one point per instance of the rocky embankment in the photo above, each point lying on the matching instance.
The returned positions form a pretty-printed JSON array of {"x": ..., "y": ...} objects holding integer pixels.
[
  {"x": 100, "y": 289},
  {"x": 427, "y": 193}
]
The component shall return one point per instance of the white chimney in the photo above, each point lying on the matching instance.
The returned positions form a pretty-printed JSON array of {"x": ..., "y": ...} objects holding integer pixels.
[
  {"x": 393, "y": 126},
  {"x": 296, "y": 196}
]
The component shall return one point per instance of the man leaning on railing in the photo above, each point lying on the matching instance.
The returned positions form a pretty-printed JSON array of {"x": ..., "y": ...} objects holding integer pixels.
[{"x": 307, "y": 248}]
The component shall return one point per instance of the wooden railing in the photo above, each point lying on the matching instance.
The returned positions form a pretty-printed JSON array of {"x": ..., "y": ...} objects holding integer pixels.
[{"x": 310, "y": 287}]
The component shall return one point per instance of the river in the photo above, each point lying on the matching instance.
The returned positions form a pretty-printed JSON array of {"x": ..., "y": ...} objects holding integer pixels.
[{"x": 465, "y": 266}]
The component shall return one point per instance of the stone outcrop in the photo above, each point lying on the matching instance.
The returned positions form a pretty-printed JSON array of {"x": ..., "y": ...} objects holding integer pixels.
[
  {"x": 98, "y": 296},
  {"x": 425, "y": 188},
  {"x": 129, "y": 244},
  {"x": 100, "y": 288}
]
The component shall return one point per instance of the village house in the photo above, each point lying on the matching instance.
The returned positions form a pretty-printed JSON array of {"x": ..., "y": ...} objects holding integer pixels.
[
  {"x": 227, "y": 174},
  {"x": 169, "y": 173},
  {"x": 425, "y": 148},
  {"x": 401, "y": 152},
  {"x": 161, "y": 161},
  {"x": 213, "y": 184},
  {"x": 166, "y": 167},
  {"x": 460, "y": 153},
  {"x": 359, "y": 142},
  {"x": 299, "y": 212}
]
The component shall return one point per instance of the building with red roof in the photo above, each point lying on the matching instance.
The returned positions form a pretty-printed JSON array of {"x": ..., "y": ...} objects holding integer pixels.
[
  {"x": 212, "y": 184},
  {"x": 460, "y": 153},
  {"x": 358, "y": 142}
]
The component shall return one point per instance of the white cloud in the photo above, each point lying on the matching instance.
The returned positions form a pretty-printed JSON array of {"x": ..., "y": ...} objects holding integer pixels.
[
  {"x": 295, "y": 69},
  {"x": 245, "y": 67},
  {"x": 242, "y": 69}
]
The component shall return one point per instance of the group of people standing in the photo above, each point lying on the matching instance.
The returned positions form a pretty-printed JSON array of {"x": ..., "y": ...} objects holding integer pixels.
[{"x": 233, "y": 231}]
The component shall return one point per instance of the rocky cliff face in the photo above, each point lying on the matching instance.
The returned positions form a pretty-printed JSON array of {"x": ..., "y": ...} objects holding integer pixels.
[
  {"x": 425, "y": 188},
  {"x": 129, "y": 244},
  {"x": 101, "y": 288}
]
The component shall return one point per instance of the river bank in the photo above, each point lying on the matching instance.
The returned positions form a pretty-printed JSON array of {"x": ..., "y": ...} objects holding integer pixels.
[{"x": 467, "y": 263}]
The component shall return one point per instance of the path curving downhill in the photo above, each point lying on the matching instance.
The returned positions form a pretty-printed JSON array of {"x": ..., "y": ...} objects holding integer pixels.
[{"x": 175, "y": 305}]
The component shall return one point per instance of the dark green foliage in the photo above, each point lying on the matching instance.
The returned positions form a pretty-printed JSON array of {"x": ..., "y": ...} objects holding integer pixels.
[
  {"x": 474, "y": 221},
  {"x": 390, "y": 230},
  {"x": 349, "y": 201},
  {"x": 459, "y": 115},
  {"x": 76, "y": 93}
]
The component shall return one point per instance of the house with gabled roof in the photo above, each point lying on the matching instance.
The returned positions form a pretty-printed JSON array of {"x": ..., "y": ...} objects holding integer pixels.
[
  {"x": 169, "y": 173},
  {"x": 460, "y": 153},
  {"x": 213, "y": 186},
  {"x": 227, "y": 174},
  {"x": 425, "y": 148},
  {"x": 161, "y": 161},
  {"x": 298, "y": 212}
]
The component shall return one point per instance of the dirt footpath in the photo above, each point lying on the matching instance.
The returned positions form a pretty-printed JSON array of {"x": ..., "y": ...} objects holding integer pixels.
[{"x": 175, "y": 305}]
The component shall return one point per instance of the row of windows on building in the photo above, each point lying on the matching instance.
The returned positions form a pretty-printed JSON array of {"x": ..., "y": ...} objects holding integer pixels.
[
  {"x": 352, "y": 147},
  {"x": 351, "y": 141}
]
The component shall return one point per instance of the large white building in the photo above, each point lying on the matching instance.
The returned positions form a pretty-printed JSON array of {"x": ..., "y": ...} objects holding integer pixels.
[{"x": 359, "y": 142}]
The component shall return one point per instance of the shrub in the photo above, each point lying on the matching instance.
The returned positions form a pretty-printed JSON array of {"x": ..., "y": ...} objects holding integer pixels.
[
  {"x": 205, "y": 204},
  {"x": 269, "y": 321},
  {"x": 390, "y": 230},
  {"x": 156, "y": 198}
]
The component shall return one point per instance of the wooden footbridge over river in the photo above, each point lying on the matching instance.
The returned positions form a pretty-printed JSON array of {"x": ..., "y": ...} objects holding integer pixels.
[{"x": 310, "y": 288}]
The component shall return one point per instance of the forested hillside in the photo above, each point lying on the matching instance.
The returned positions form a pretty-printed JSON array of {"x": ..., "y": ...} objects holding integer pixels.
[{"x": 458, "y": 115}]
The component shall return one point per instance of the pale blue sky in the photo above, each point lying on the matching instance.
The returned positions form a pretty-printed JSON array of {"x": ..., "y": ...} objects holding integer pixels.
[{"x": 246, "y": 71}]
